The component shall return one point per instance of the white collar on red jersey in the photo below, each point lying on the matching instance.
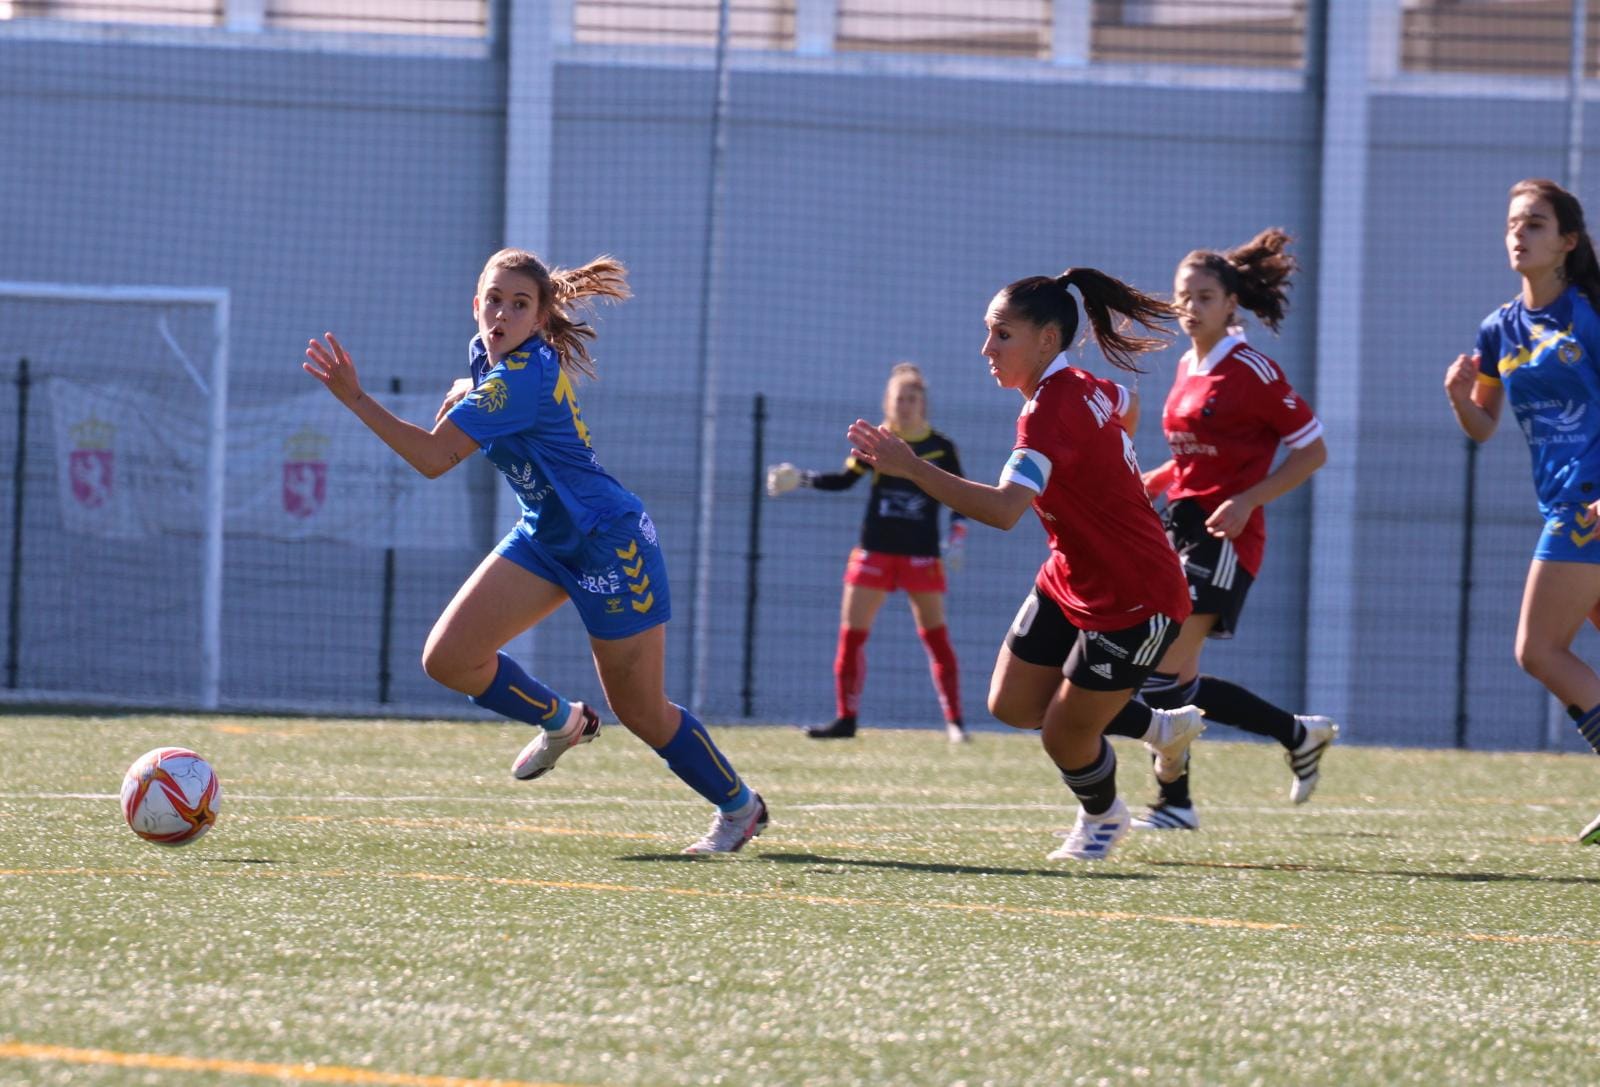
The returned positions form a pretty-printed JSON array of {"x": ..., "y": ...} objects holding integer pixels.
[
  {"x": 1217, "y": 353},
  {"x": 1057, "y": 364}
]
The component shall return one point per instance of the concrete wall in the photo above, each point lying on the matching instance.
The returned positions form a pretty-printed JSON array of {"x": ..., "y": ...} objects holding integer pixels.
[{"x": 868, "y": 218}]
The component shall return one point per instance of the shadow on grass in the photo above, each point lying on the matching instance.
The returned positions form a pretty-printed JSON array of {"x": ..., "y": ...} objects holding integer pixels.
[
  {"x": 823, "y": 862},
  {"x": 1398, "y": 873},
  {"x": 832, "y": 865},
  {"x": 239, "y": 860}
]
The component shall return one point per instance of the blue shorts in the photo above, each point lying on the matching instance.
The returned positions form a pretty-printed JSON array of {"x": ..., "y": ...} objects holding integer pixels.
[
  {"x": 1571, "y": 534},
  {"x": 617, "y": 580}
]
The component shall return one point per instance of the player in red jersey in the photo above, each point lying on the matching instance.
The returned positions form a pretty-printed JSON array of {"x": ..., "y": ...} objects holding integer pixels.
[
  {"x": 900, "y": 549},
  {"x": 1110, "y": 597},
  {"x": 1229, "y": 410}
]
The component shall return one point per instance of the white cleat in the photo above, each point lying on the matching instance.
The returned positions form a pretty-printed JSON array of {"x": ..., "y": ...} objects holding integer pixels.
[
  {"x": 956, "y": 732},
  {"x": 729, "y": 833},
  {"x": 541, "y": 754},
  {"x": 1092, "y": 837},
  {"x": 1167, "y": 817},
  {"x": 1590, "y": 835},
  {"x": 1174, "y": 731},
  {"x": 1306, "y": 760}
]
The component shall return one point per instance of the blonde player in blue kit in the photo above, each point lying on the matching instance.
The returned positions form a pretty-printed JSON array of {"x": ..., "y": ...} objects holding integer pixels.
[
  {"x": 1541, "y": 352},
  {"x": 582, "y": 536}
]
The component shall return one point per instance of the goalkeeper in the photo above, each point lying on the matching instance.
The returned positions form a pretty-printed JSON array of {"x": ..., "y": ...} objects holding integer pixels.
[{"x": 900, "y": 549}]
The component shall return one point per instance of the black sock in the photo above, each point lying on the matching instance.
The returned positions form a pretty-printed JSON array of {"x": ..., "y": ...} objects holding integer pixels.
[
  {"x": 1132, "y": 721},
  {"x": 1230, "y": 704},
  {"x": 1175, "y": 793},
  {"x": 1094, "y": 785}
]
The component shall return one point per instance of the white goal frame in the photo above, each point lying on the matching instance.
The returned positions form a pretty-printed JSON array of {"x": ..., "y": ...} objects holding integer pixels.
[{"x": 218, "y": 298}]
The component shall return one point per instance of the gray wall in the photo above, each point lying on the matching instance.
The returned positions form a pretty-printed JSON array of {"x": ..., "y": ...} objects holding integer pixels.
[{"x": 868, "y": 218}]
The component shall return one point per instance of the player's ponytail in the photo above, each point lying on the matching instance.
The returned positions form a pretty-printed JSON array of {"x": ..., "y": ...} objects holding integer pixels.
[
  {"x": 1105, "y": 296},
  {"x": 1256, "y": 273},
  {"x": 564, "y": 292},
  {"x": 1580, "y": 269}
]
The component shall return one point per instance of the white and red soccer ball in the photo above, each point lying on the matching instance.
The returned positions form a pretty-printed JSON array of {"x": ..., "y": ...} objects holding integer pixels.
[{"x": 170, "y": 796}]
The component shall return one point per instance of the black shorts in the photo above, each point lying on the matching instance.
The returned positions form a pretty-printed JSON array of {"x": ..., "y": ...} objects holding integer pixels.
[
  {"x": 1099, "y": 660},
  {"x": 1217, "y": 583}
]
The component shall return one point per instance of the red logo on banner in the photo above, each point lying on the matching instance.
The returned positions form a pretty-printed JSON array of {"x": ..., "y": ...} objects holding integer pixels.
[
  {"x": 305, "y": 473},
  {"x": 305, "y": 487},
  {"x": 91, "y": 476},
  {"x": 89, "y": 466}
]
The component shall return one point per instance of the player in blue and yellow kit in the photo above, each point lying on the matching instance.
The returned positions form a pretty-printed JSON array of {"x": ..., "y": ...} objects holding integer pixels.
[
  {"x": 1541, "y": 352},
  {"x": 582, "y": 536}
]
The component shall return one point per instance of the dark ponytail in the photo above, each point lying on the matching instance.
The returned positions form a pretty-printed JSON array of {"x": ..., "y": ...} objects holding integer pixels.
[
  {"x": 1045, "y": 300},
  {"x": 1257, "y": 273},
  {"x": 1581, "y": 269}
]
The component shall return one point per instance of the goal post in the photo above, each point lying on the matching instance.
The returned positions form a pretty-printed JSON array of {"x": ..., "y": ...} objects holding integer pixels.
[{"x": 92, "y": 336}]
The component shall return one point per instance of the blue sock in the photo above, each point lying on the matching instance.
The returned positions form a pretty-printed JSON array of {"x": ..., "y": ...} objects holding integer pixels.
[
  {"x": 693, "y": 757},
  {"x": 515, "y": 694},
  {"x": 1588, "y": 725}
]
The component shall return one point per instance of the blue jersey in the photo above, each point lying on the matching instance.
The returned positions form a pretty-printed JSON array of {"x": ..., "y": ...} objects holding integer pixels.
[
  {"x": 1548, "y": 361},
  {"x": 524, "y": 413}
]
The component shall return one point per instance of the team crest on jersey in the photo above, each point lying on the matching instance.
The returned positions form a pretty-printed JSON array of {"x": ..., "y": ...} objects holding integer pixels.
[
  {"x": 517, "y": 360},
  {"x": 1569, "y": 352},
  {"x": 491, "y": 396},
  {"x": 647, "y": 529},
  {"x": 89, "y": 465},
  {"x": 305, "y": 473}
]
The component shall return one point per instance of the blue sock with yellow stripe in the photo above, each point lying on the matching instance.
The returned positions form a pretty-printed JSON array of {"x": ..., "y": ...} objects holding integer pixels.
[
  {"x": 515, "y": 694},
  {"x": 693, "y": 757}
]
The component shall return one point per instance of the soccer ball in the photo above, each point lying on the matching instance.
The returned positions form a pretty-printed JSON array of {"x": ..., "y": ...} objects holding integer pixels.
[{"x": 170, "y": 796}]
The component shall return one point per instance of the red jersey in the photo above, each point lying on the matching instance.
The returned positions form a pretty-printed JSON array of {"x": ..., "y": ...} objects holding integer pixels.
[
  {"x": 1225, "y": 417},
  {"x": 1110, "y": 565}
]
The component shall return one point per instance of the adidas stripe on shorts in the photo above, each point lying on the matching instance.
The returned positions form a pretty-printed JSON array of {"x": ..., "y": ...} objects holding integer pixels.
[{"x": 1098, "y": 660}]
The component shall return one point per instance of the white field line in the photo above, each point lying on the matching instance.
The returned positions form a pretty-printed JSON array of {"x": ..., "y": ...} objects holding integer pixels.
[{"x": 862, "y": 806}]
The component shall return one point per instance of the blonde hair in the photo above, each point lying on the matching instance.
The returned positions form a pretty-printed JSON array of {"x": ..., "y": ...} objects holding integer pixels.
[
  {"x": 905, "y": 373},
  {"x": 564, "y": 292}
]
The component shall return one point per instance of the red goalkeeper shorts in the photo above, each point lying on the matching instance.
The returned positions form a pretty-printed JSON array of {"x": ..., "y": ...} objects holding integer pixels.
[{"x": 888, "y": 572}]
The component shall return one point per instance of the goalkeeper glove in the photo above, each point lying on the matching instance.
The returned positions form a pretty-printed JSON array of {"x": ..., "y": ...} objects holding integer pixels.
[
  {"x": 954, "y": 549},
  {"x": 785, "y": 477}
]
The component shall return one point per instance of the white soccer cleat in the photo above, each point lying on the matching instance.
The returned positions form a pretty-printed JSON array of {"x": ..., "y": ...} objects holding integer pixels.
[
  {"x": 541, "y": 754},
  {"x": 1590, "y": 835},
  {"x": 1306, "y": 759},
  {"x": 1167, "y": 817},
  {"x": 956, "y": 732},
  {"x": 729, "y": 833},
  {"x": 1174, "y": 731},
  {"x": 1092, "y": 837}
]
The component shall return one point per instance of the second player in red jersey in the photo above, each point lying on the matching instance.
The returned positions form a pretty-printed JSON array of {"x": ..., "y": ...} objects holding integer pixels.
[
  {"x": 1110, "y": 596},
  {"x": 1228, "y": 413}
]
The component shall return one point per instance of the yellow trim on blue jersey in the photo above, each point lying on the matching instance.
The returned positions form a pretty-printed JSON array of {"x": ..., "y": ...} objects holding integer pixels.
[{"x": 1524, "y": 355}]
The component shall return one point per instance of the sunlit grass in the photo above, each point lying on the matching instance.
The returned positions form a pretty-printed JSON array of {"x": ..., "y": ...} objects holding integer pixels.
[{"x": 381, "y": 903}]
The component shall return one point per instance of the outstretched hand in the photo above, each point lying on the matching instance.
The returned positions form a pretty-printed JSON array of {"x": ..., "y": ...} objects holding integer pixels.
[
  {"x": 879, "y": 446},
  {"x": 331, "y": 364}
]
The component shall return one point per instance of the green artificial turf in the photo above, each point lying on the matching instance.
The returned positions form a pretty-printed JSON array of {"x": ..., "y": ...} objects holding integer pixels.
[{"x": 381, "y": 903}]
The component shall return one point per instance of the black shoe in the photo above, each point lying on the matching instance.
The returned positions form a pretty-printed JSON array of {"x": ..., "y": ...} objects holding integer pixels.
[{"x": 843, "y": 728}]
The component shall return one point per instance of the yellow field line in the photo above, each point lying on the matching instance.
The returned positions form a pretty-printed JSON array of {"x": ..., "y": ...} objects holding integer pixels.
[
  {"x": 831, "y": 900},
  {"x": 293, "y": 1073}
]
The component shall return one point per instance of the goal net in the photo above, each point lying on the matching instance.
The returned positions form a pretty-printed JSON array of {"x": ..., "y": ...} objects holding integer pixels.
[{"x": 174, "y": 545}]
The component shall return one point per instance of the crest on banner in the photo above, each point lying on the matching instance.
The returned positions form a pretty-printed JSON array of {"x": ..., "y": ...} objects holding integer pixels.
[
  {"x": 91, "y": 462},
  {"x": 305, "y": 473}
]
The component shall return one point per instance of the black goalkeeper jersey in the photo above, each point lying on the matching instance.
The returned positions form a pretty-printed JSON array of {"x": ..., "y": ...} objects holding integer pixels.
[{"x": 901, "y": 519}]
